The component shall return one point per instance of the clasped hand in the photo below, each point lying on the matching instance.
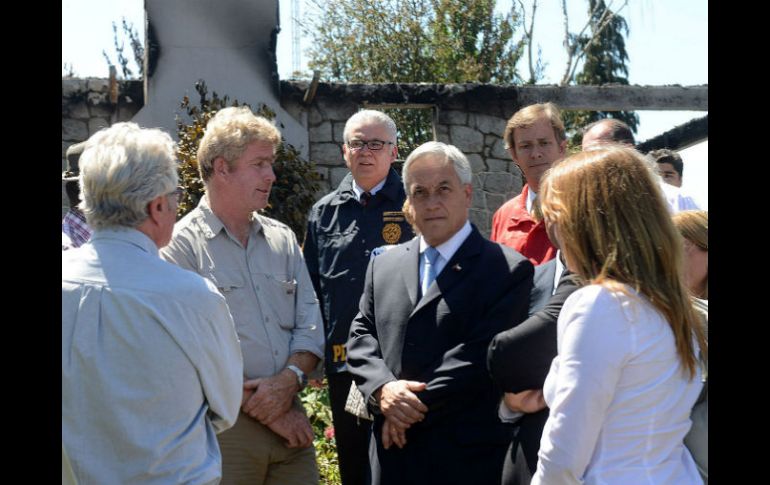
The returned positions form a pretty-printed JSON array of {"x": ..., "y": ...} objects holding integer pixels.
[
  {"x": 401, "y": 408},
  {"x": 271, "y": 396},
  {"x": 529, "y": 401}
]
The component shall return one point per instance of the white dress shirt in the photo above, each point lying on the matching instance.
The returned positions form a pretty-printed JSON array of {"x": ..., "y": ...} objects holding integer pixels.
[
  {"x": 530, "y": 199},
  {"x": 677, "y": 199},
  {"x": 359, "y": 190},
  {"x": 619, "y": 398}
]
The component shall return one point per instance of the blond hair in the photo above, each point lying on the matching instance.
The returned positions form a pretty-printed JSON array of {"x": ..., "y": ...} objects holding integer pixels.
[
  {"x": 693, "y": 225},
  {"x": 227, "y": 135},
  {"x": 529, "y": 115},
  {"x": 614, "y": 229}
]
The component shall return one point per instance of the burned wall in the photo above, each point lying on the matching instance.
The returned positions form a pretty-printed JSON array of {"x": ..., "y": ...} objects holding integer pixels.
[{"x": 469, "y": 116}]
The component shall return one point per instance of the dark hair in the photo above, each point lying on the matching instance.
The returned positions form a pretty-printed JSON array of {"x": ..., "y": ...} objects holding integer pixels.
[
  {"x": 619, "y": 132},
  {"x": 664, "y": 155}
]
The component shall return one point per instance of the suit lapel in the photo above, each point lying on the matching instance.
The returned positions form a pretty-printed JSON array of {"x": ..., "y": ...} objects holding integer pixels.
[
  {"x": 453, "y": 272},
  {"x": 412, "y": 264}
]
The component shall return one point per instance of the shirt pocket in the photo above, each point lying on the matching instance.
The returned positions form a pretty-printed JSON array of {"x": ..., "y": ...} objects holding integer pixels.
[
  {"x": 279, "y": 297},
  {"x": 232, "y": 286}
]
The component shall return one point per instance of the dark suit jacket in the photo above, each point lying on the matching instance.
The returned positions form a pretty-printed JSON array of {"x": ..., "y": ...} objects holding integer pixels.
[
  {"x": 441, "y": 340},
  {"x": 519, "y": 359},
  {"x": 542, "y": 287}
]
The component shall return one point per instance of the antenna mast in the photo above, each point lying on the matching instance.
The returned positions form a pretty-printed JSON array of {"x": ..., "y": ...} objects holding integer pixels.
[{"x": 295, "y": 37}]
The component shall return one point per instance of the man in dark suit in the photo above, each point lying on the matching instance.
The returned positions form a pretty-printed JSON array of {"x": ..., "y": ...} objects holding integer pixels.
[
  {"x": 417, "y": 349},
  {"x": 519, "y": 360}
]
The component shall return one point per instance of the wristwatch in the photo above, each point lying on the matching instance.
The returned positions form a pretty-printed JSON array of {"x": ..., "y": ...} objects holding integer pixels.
[{"x": 301, "y": 377}]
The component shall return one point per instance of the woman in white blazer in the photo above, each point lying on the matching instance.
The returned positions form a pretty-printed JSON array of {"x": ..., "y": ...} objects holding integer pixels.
[{"x": 626, "y": 376}]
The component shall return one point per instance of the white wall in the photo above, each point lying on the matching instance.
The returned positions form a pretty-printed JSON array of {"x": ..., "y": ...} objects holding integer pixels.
[
  {"x": 226, "y": 43},
  {"x": 696, "y": 172}
]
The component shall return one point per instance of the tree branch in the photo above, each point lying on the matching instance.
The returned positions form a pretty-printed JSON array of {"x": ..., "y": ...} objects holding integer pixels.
[
  {"x": 573, "y": 56},
  {"x": 529, "y": 35}
]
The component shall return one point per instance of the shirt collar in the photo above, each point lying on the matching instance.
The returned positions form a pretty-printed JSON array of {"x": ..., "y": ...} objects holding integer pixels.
[
  {"x": 559, "y": 270},
  {"x": 530, "y": 199},
  {"x": 126, "y": 234},
  {"x": 212, "y": 224},
  {"x": 358, "y": 190},
  {"x": 448, "y": 248},
  {"x": 391, "y": 187}
]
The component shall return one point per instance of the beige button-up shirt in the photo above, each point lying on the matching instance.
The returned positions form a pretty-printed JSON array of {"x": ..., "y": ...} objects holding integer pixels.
[{"x": 266, "y": 285}]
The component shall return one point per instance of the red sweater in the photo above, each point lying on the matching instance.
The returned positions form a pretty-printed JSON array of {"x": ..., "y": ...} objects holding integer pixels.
[{"x": 514, "y": 227}]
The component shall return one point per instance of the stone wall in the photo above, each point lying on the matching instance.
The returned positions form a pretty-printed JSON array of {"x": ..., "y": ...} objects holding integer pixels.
[
  {"x": 471, "y": 117},
  {"x": 86, "y": 108}
]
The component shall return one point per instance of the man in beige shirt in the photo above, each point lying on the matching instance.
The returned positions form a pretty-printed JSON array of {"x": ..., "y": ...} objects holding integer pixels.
[{"x": 258, "y": 266}]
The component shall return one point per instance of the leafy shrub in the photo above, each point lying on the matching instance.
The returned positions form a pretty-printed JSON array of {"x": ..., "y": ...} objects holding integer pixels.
[
  {"x": 293, "y": 192},
  {"x": 316, "y": 402}
]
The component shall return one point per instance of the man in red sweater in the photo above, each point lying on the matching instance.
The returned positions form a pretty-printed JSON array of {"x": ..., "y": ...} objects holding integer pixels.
[{"x": 535, "y": 138}]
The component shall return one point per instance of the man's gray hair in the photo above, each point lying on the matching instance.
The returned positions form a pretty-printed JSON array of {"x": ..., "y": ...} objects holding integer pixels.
[
  {"x": 449, "y": 153},
  {"x": 122, "y": 169},
  {"x": 370, "y": 116}
]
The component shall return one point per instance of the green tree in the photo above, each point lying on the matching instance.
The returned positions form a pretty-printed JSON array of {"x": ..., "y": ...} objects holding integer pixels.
[
  {"x": 435, "y": 41},
  {"x": 605, "y": 63},
  {"x": 296, "y": 180}
]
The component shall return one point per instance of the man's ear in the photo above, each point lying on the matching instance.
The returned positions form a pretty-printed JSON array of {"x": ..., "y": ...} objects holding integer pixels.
[
  {"x": 156, "y": 207},
  {"x": 220, "y": 166},
  {"x": 346, "y": 154}
]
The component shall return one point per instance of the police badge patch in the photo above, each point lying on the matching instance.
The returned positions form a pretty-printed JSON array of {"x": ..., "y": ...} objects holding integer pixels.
[{"x": 391, "y": 233}]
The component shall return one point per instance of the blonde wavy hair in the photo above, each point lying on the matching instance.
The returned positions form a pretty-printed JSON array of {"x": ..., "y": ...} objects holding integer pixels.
[
  {"x": 227, "y": 135},
  {"x": 614, "y": 228},
  {"x": 693, "y": 225}
]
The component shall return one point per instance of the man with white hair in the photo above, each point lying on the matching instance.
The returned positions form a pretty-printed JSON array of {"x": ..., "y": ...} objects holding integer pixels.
[
  {"x": 417, "y": 349},
  {"x": 344, "y": 227},
  {"x": 151, "y": 366}
]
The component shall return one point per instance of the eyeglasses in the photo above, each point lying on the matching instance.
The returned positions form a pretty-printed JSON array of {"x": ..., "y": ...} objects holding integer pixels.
[
  {"x": 373, "y": 145},
  {"x": 178, "y": 194}
]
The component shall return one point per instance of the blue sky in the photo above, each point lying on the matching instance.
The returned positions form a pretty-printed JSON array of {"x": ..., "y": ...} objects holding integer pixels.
[{"x": 667, "y": 44}]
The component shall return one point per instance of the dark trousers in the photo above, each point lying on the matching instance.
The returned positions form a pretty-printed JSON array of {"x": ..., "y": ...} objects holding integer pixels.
[
  {"x": 351, "y": 433},
  {"x": 521, "y": 458}
]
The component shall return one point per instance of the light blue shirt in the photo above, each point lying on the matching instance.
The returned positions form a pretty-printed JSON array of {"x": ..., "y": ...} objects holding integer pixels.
[
  {"x": 151, "y": 365},
  {"x": 446, "y": 250}
]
